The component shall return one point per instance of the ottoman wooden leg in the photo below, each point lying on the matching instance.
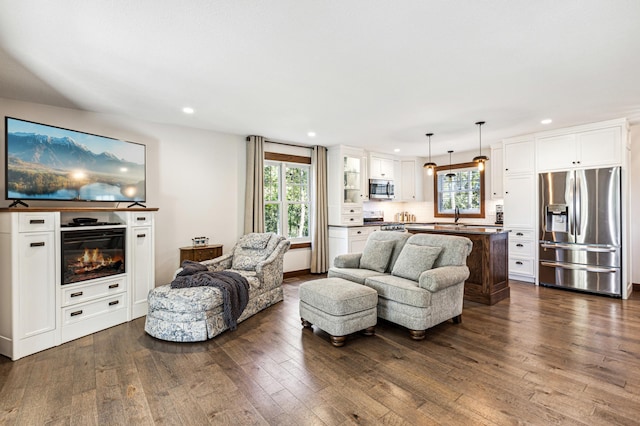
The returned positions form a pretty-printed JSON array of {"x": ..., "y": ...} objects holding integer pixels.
[
  {"x": 369, "y": 331},
  {"x": 338, "y": 341},
  {"x": 305, "y": 323}
]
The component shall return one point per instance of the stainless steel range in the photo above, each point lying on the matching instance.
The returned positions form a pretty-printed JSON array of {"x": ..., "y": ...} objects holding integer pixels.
[{"x": 377, "y": 218}]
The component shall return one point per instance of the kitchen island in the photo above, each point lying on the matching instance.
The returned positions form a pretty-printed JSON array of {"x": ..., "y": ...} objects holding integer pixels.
[{"x": 488, "y": 281}]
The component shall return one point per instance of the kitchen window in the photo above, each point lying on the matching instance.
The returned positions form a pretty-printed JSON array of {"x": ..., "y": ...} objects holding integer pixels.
[
  {"x": 287, "y": 203},
  {"x": 461, "y": 186}
]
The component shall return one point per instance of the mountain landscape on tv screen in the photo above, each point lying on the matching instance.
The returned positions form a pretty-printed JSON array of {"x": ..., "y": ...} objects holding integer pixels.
[{"x": 41, "y": 165}]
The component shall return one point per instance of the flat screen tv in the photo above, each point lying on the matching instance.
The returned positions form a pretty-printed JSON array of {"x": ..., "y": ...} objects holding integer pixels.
[{"x": 45, "y": 162}]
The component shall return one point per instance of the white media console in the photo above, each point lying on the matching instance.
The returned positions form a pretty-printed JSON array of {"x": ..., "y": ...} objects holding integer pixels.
[{"x": 37, "y": 311}]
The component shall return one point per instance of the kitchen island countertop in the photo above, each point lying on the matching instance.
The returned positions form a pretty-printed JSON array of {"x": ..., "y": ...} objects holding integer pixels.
[{"x": 462, "y": 229}]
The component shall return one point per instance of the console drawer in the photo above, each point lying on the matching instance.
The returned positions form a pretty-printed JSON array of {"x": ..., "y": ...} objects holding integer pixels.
[
  {"x": 140, "y": 218},
  {"x": 85, "y": 292},
  {"x": 85, "y": 311},
  {"x": 37, "y": 221}
]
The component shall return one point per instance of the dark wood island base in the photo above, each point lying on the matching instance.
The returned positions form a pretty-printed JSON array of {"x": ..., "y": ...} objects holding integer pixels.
[{"x": 488, "y": 281}]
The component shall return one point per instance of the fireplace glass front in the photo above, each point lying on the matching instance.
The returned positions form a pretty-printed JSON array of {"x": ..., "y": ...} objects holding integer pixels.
[{"x": 91, "y": 254}]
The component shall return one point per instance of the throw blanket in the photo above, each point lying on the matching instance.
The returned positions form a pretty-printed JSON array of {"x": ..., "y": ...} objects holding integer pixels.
[{"x": 233, "y": 286}]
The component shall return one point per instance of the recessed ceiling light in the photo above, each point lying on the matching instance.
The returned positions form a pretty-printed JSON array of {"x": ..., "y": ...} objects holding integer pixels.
[
  {"x": 311, "y": 134},
  {"x": 546, "y": 121},
  {"x": 396, "y": 150},
  {"x": 188, "y": 110}
]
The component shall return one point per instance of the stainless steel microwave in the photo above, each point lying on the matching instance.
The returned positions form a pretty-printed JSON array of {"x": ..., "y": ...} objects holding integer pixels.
[{"x": 381, "y": 189}]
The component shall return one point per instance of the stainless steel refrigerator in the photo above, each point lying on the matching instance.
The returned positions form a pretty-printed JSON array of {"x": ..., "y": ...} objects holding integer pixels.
[{"x": 580, "y": 231}]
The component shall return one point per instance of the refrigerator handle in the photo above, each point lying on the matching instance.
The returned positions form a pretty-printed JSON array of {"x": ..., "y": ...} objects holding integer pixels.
[
  {"x": 578, "y": 206},
  {"x": 587, "y": 268},
  {"x": 572, "y": 202}
]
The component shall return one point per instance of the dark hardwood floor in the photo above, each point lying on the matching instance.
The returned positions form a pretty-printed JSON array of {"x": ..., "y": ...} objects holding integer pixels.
[{"x": 543, "y": 356}]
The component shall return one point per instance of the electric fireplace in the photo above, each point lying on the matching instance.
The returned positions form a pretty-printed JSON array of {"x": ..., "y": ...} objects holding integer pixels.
[{"x": 91, "y": 254}]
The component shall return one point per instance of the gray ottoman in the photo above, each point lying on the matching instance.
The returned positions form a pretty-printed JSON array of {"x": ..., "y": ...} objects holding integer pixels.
[{"x": 339, "y": 307}]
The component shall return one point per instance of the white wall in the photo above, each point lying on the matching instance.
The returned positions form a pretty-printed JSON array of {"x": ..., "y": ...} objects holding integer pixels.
[
  {"x": 195, "y": 177},
  {"x": 634, "y": 181}
]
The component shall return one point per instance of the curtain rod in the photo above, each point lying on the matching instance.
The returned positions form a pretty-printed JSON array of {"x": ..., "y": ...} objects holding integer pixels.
[{"x": 299, "y": 145}]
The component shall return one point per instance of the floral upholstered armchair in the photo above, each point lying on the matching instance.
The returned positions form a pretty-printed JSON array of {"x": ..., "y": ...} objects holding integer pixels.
[{"x": 195, "y": 313}]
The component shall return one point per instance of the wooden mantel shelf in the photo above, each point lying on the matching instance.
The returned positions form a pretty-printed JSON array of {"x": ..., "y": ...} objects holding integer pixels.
[{"x": 77, "y": 209}]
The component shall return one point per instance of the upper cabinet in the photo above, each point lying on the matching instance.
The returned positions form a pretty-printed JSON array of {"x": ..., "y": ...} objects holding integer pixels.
[
  {"x": 519, "y": 156},
  {"x": 582, "y": 149},
  {"x": 380, "y": 166},
  {"x": 346, "y": 189},
  {"x": 409, "y": 187},
  {"x": 496, "y": 166}
]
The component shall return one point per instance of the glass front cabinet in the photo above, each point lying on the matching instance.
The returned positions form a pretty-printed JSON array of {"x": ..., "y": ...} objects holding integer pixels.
[{"x": 346, "y": 185}]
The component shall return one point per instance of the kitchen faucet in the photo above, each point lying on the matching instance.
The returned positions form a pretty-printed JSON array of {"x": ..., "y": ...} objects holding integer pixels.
[{"x": 456, "y": 215}]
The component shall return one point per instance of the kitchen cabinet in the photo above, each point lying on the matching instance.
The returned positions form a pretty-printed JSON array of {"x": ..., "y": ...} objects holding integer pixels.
[
  {"x": 411, "y": 181},
  {"x": 344, "y": 240},
  {"x": 380, "y": 167},
  {"x": 364, "y": 177},
  {"x": 496, "y": 169},
  {"x": 522, "y": 254},
  {"x": 586, "y": 149},
  {"x": 519, "y": 156},
  {"x": 519, "y": 201},
  {"x": 519, "y": 191},
  {"x": 345, "y": 185}
]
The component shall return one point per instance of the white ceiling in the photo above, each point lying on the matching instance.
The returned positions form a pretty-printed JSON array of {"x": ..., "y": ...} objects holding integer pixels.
[{"x": 372, "y": 73}]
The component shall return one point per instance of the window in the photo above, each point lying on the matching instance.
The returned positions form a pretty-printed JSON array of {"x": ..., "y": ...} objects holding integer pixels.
[
  {"x": 464, "y": 190},
  {"x": 287, "y": 197}
]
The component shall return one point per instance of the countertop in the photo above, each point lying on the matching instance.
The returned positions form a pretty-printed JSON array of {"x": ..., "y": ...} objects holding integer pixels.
[
  {"x": 443, "y": 227},
  {"x": 458, "y": 229}
]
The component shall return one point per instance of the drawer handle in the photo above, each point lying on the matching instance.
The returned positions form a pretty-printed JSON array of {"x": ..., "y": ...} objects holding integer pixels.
[
  {"x": 351, "y": 219},
  {"x": 114, "y": 286},
  {"x": 351, "y": 211},
  {"x": 34, "y": 221},
  {"x": 115, "y": 302},
  {"x": 141, "y": 235},
  {"x": 359, "y": 232},
  {"x": 519, "y": 263},
  {"x": 141, "y": 218},
  {"x": 76, "y": 294},
  {"x": 40, "y": 244},
  {"x": 73, "y": 314},
  {"x": 519, "y": 234},
  {"x": 519, "y": 245}
]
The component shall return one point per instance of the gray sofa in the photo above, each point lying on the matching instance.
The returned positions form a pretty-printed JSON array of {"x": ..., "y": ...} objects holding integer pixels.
[
  {"x": 195, "y": 313},
  {"x": 419, "y": 278}
]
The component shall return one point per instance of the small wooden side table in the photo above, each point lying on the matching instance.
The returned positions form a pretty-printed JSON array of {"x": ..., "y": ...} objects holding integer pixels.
[{"x": 200, "y": 253}]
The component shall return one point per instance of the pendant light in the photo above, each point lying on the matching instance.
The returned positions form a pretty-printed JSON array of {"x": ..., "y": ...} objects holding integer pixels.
[
  {"x": 480, "y": 159},
  {"x": 429, "y": 165},
  {"x": 450, "y": 175}
]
